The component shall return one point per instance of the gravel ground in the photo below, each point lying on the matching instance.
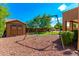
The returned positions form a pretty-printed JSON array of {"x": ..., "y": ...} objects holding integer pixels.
[{"x": 33, "y": 45}]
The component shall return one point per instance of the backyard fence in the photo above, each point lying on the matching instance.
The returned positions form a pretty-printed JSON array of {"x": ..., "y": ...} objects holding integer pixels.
[{"x": 39, "y": 29}]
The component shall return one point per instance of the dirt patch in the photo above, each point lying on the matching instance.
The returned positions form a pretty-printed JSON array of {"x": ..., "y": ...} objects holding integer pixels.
[{"x": 33, "y": 45}]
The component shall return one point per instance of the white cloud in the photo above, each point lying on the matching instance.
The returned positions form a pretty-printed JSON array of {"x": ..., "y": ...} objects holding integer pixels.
[
  {"x": 62, "y": 7},
  {"x": 65, "y": 7},
  {"x": 54, "y": 21}
]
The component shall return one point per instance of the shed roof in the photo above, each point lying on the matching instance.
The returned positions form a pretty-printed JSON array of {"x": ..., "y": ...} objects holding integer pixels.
[{"x": 12, "y": 20}]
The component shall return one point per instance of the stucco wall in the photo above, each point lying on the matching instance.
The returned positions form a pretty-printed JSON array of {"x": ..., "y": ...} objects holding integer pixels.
[{"x": 72, "y": 14}]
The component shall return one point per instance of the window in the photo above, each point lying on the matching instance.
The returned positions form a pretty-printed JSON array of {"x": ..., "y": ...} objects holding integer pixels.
[
  {"x": 75, "y": 25},
  {"x": 68, "y": 24}
]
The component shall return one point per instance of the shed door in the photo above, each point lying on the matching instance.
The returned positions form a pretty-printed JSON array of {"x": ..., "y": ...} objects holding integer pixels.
[
  {"x": 19, "y": 30},
  {"x": 13, "y": 30},
  {"x": 16, "y": 29}
]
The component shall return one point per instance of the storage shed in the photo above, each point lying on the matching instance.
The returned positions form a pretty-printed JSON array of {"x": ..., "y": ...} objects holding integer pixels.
[{"x": 15, "y": 27}]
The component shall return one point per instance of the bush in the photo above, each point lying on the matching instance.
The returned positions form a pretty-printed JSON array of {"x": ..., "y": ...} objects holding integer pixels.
[
  {"x": 67, "y": 37},
  {"x": 75, "y": 35},
  {"x": 75, "y": 39}
]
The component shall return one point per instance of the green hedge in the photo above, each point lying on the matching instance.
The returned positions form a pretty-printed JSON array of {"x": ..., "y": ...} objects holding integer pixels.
[
  {"x": 75, "y": 35},
  {"x": 67, "y": 37}
]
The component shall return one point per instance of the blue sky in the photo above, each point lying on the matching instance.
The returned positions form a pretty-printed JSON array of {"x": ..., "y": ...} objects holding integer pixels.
[{"x": 27, "y": 11}]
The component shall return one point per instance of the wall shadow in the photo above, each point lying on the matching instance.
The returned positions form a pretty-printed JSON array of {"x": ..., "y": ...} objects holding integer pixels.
[{"x": 58, "y": 44}]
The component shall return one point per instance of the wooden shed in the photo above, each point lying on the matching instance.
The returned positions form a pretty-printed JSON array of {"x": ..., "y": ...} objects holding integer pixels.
[{"x": 14, "y": 28}]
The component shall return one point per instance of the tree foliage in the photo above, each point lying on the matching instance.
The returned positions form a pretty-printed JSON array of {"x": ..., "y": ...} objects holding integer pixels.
[
  {"x": 3, "y": 14},
  {"x": 40, "y": 22},
  {"x": 58, "y": 26}
]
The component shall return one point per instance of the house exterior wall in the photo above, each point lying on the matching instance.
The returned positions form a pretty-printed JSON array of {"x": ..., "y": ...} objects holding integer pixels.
[
  {"x": 9, "y": 30},
  {"x": 69, "y": 16}
]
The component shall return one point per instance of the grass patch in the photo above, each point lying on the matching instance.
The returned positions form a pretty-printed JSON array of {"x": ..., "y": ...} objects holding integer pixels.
[{"x": 47, "y": 33}]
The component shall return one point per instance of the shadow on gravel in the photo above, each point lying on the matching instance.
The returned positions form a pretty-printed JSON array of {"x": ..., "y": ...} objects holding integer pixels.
[
  {"x": 67, "y": 53},
  {"x": 39, "y": 49},
  {"x": 58, "y": 44}
]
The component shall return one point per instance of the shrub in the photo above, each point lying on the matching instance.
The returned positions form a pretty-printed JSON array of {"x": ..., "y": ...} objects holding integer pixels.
[
  {"x": 75, "y": 35},
  {"x": 75, "y": 39},
  {"x": 67, "y": 37}
]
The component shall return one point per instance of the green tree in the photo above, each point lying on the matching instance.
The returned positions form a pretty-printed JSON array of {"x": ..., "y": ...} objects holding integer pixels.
[
  {"x": 34, "y": 23},
  {"x": 3, "y": 14},
  {"x": 40, "y": 22},
  {"x": 45, "y": 21},
  {"x": 58, "y": 26}
]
